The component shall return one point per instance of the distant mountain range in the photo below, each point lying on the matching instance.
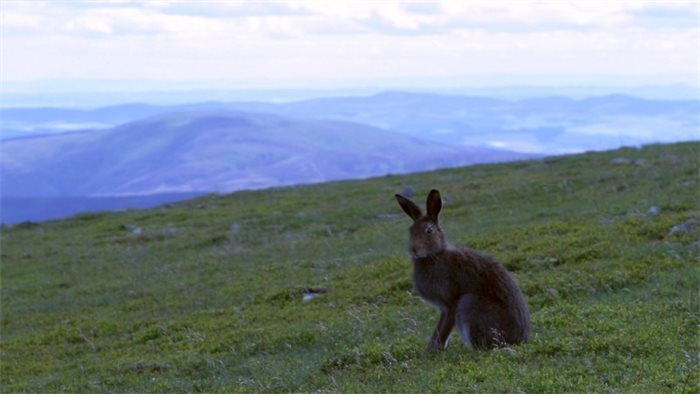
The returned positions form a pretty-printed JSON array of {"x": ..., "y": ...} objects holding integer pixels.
[
  {"x": 537, "y": 125},
  {"x": 220, "y": 151},
  {"x": 85, "y": 159}
]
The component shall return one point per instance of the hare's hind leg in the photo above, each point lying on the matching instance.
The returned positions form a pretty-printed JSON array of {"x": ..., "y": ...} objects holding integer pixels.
[
  {"x": 464, "y": 311},
  {"x": 478, "y": 322}
]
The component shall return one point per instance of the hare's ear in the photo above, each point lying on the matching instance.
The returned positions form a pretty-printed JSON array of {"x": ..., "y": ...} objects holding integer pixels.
[
  {"x": 434, "y": 205},
  {"x": 409, "y": 207}
]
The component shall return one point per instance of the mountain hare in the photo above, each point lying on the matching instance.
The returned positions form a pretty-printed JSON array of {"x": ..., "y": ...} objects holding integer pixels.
[{"x": 471, "y": 289}]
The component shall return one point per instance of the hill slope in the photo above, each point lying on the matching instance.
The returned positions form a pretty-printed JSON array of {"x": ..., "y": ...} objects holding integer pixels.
[
  {"x": 216, "y": 151},
  {"x": 543, "y": 125},
  {"x": 207, "y": 295}
]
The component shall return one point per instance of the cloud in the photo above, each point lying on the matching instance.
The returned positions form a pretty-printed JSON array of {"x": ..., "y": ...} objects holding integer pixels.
[
  {"x": 303, "y": 40},
  {"x": 231, "y": 9},
  {"x": 667, "y": 15},
  {"x": 380, "y": 17},
  {"x": 348, "y": 17}
]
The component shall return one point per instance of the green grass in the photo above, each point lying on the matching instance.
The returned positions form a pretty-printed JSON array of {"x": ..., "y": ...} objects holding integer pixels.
[{"x": 208, "y": 296}]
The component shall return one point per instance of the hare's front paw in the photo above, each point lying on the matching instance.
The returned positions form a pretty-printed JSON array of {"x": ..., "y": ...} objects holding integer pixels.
[{"x": 434, "y": 346}]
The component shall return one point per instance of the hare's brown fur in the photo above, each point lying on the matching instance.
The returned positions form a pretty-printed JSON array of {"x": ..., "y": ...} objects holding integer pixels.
[{"x": 471, "y": 289}]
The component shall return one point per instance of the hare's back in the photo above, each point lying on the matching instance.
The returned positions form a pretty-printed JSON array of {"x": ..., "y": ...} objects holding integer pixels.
[{"x": 486, "y": 275}]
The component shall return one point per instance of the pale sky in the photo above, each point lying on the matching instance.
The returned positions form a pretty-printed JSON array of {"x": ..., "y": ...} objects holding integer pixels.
[{"x": 325, "y": 42}]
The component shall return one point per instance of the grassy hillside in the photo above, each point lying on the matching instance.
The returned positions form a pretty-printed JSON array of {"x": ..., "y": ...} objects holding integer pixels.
[{"x": 207, "y": 295}]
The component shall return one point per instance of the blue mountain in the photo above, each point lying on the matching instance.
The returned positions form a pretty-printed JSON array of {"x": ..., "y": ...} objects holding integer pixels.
[{"x": 217, "y": 151}]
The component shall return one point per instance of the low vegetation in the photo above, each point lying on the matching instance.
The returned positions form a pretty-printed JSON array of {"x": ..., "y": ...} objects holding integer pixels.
[{"x": 208, "y": 295}]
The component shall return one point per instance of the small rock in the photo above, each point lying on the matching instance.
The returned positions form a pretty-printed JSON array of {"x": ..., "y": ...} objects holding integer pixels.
[
  {"x": 620, "y": 160},
  {"x": 509, "y": 351},
  {"x": 653, "y": 210},
  {"x": 389, "y": 357},
  {"x": 310, "y": 296},
  {"x": 605, "y": 221},
  {"x": 408, "y": 192},
  {"x": 132, "y": 228},
  {"x": 168, "y": 230},
  {"x": 312, "y": 292},
  {"x": 545, "y": 260},
  {"x": 552, "y": 292},
  {"x": 685, "y": 227},
  {"x": 234, "y": 229}
]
